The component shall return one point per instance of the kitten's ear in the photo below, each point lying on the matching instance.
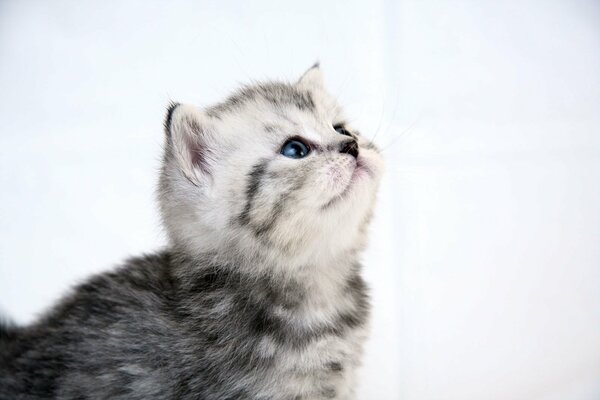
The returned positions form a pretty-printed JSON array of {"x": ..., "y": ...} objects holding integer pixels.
[
  {"x": 188, "y": 138},
  {"x": 312, "y": 78}
]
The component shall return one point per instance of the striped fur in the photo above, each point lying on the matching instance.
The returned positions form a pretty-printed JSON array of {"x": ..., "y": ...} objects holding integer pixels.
[{"x": 259, "y": 293}]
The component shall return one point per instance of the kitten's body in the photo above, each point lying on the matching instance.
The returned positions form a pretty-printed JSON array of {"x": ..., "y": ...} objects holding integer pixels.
[{"x": 259, "y": 295}]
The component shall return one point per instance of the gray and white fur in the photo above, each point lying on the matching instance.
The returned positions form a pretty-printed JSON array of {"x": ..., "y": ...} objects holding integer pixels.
[{"x": 259, "y": 293}]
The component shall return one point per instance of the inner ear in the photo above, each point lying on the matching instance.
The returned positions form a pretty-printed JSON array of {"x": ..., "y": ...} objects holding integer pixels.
[
  {"x": 312, "y": 78},
  {"x": 188, "y": 137}
]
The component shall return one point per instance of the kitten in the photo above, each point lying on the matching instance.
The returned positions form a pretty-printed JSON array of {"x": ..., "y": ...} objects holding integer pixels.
[{"x": 266, "y": 198}]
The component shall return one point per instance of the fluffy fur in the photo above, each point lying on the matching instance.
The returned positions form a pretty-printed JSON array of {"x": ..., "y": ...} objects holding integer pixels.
[{"x": 258, "y": 295}]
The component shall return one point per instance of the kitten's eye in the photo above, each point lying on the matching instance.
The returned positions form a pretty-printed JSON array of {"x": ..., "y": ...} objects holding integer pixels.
[
  {"x": 341, "y": 129},
  {"x": 295, "y": 148}
]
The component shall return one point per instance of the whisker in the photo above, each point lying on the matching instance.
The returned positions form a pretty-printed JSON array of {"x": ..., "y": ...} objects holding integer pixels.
[
  {"x": 379, "y": 123},
  {"x": 391, "y": 121},
  {"x": 401, "y": 135}
]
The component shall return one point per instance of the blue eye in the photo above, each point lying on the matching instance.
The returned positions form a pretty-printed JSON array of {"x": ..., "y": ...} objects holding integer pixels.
[{"x": 295, "y": 148}]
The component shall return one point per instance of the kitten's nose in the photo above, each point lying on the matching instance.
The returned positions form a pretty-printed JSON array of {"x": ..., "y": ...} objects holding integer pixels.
[{"x": 350, "y": 147}]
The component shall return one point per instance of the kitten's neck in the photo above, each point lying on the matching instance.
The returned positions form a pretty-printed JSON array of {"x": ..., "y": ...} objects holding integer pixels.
[
  {"x": 313, "y": 300},
  {"x": 317, "y": 282}
]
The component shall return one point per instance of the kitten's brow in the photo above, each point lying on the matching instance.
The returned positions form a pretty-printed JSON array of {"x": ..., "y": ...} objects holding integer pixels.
[{"x": 276, "y": 93}]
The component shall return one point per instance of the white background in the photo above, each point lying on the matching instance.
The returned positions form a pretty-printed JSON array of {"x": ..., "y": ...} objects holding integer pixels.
[{"x": 485, "y": 253}]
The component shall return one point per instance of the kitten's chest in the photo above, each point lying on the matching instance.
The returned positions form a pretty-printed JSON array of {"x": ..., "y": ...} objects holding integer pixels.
[
  {"x": 277, "y": 341},
  {"x": 323, "y": 343},
  {"x": 325, "y": 368}
]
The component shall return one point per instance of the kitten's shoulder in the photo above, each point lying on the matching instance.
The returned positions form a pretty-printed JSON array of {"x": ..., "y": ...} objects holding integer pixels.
[{"x": 139, "y": 284}]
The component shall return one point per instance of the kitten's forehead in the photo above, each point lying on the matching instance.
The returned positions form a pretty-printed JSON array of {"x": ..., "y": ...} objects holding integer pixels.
[
  {"x": 276, "y": 94},
  {"x": 286, "y": 103}
]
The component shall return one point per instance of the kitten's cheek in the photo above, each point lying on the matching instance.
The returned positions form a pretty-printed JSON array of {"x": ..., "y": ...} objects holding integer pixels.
[{"x": 338, "y": 178}]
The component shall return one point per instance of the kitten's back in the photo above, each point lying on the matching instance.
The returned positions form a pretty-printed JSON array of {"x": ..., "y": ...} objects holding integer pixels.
[{"x": 114, "y": 319}]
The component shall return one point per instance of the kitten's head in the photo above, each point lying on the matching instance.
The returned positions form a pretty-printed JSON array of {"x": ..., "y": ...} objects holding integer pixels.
[{"x": 273, "y": 171}]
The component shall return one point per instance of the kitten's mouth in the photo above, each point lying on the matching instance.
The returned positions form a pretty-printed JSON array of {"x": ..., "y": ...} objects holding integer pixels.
[
  {"x": 361, "y": 167},
  {"x": 361, "y": 170}
]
